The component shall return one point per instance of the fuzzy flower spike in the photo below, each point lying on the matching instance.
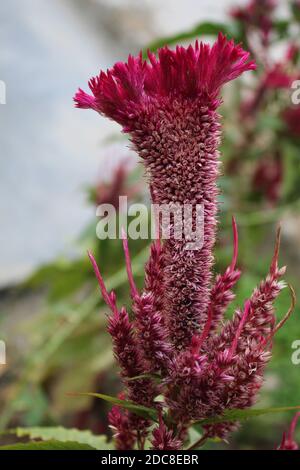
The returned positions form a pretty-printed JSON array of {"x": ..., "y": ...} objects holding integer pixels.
[
  {"x": 177, "y": 332},
  {"x": 169, "y": 107}
]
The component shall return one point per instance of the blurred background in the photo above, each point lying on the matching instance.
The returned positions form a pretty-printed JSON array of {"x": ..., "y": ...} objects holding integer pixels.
[{"x": 58, "y": 163}]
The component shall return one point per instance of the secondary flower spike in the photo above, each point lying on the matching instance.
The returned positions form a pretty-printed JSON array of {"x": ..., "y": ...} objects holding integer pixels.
[
  {"x": 169, "y": 107},
  {"x": 288, "y": 441}
]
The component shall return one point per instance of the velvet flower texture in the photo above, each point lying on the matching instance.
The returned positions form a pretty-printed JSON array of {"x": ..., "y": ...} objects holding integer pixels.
[{"x": 175, "y": 343}]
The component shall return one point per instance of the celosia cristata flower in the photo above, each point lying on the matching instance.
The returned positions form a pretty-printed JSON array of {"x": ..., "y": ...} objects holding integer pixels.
[
  {"x": 169, "y": 108},
  {"x": 288, "y": 442}
]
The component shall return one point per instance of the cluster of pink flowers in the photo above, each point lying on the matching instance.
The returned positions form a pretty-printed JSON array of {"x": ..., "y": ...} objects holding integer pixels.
[
  {"x": 257, "y": 19},
  {"x": 176, "y": 343},
  {"x": 257, "y": 14},
  {"x": 277, "y": 76}
]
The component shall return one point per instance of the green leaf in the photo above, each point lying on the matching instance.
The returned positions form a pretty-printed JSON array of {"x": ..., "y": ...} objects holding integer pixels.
[
  {"x": 270, "y": 122},
  {"x": 63, "y": 277},
  {"x": 291, "y": 162},
  {"x": 48, "y": 445},
  {"x": 155, "y": 377},
  {"x": 145, "y": 412},
  {"x": 281, "y": 27},
  {"x": 242, "y": 415},
  {"x": 62, "y": 434},
  {"x": 206, "y": 28}
]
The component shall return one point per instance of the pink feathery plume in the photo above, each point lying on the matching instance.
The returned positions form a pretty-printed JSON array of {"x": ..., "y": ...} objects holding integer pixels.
[
  {"x": 221, "y": 294},
  {"x": 123, "y": 433},
  {"x": 199, "y": 384},
  {"x": 261, "y": 322},
  {"x": 127, "y": 352},
  {"x": 151, "y": 331},
  {"x": 252, "y": 343},
  {"x": 109, "y": 298},
  {"x": 163, "y": 439},
  {"x": 288, "y": 442},
  {"x": 126, "y": 348},
  {"x": 262, "y": 319},
  {"x": 225, "y": 371},
  {"x": 152, "y": 334}
]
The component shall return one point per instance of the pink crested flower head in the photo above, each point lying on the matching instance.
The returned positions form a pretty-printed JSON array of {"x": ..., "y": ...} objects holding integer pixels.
[{"x": 133, "y": 88}]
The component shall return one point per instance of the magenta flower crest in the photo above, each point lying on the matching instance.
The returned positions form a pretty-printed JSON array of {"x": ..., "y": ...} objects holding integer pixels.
[{"x": 130, "y": 90}]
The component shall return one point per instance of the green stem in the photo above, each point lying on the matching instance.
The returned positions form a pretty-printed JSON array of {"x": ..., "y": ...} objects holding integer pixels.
[{"x": 198, "y": 443}]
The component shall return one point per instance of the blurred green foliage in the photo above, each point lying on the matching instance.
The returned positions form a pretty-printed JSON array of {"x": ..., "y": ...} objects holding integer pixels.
[{"x": 67, "y": 347}]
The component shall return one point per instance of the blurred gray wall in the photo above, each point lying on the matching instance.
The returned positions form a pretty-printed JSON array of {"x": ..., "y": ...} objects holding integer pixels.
[{"x": 49, "y": 150}]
